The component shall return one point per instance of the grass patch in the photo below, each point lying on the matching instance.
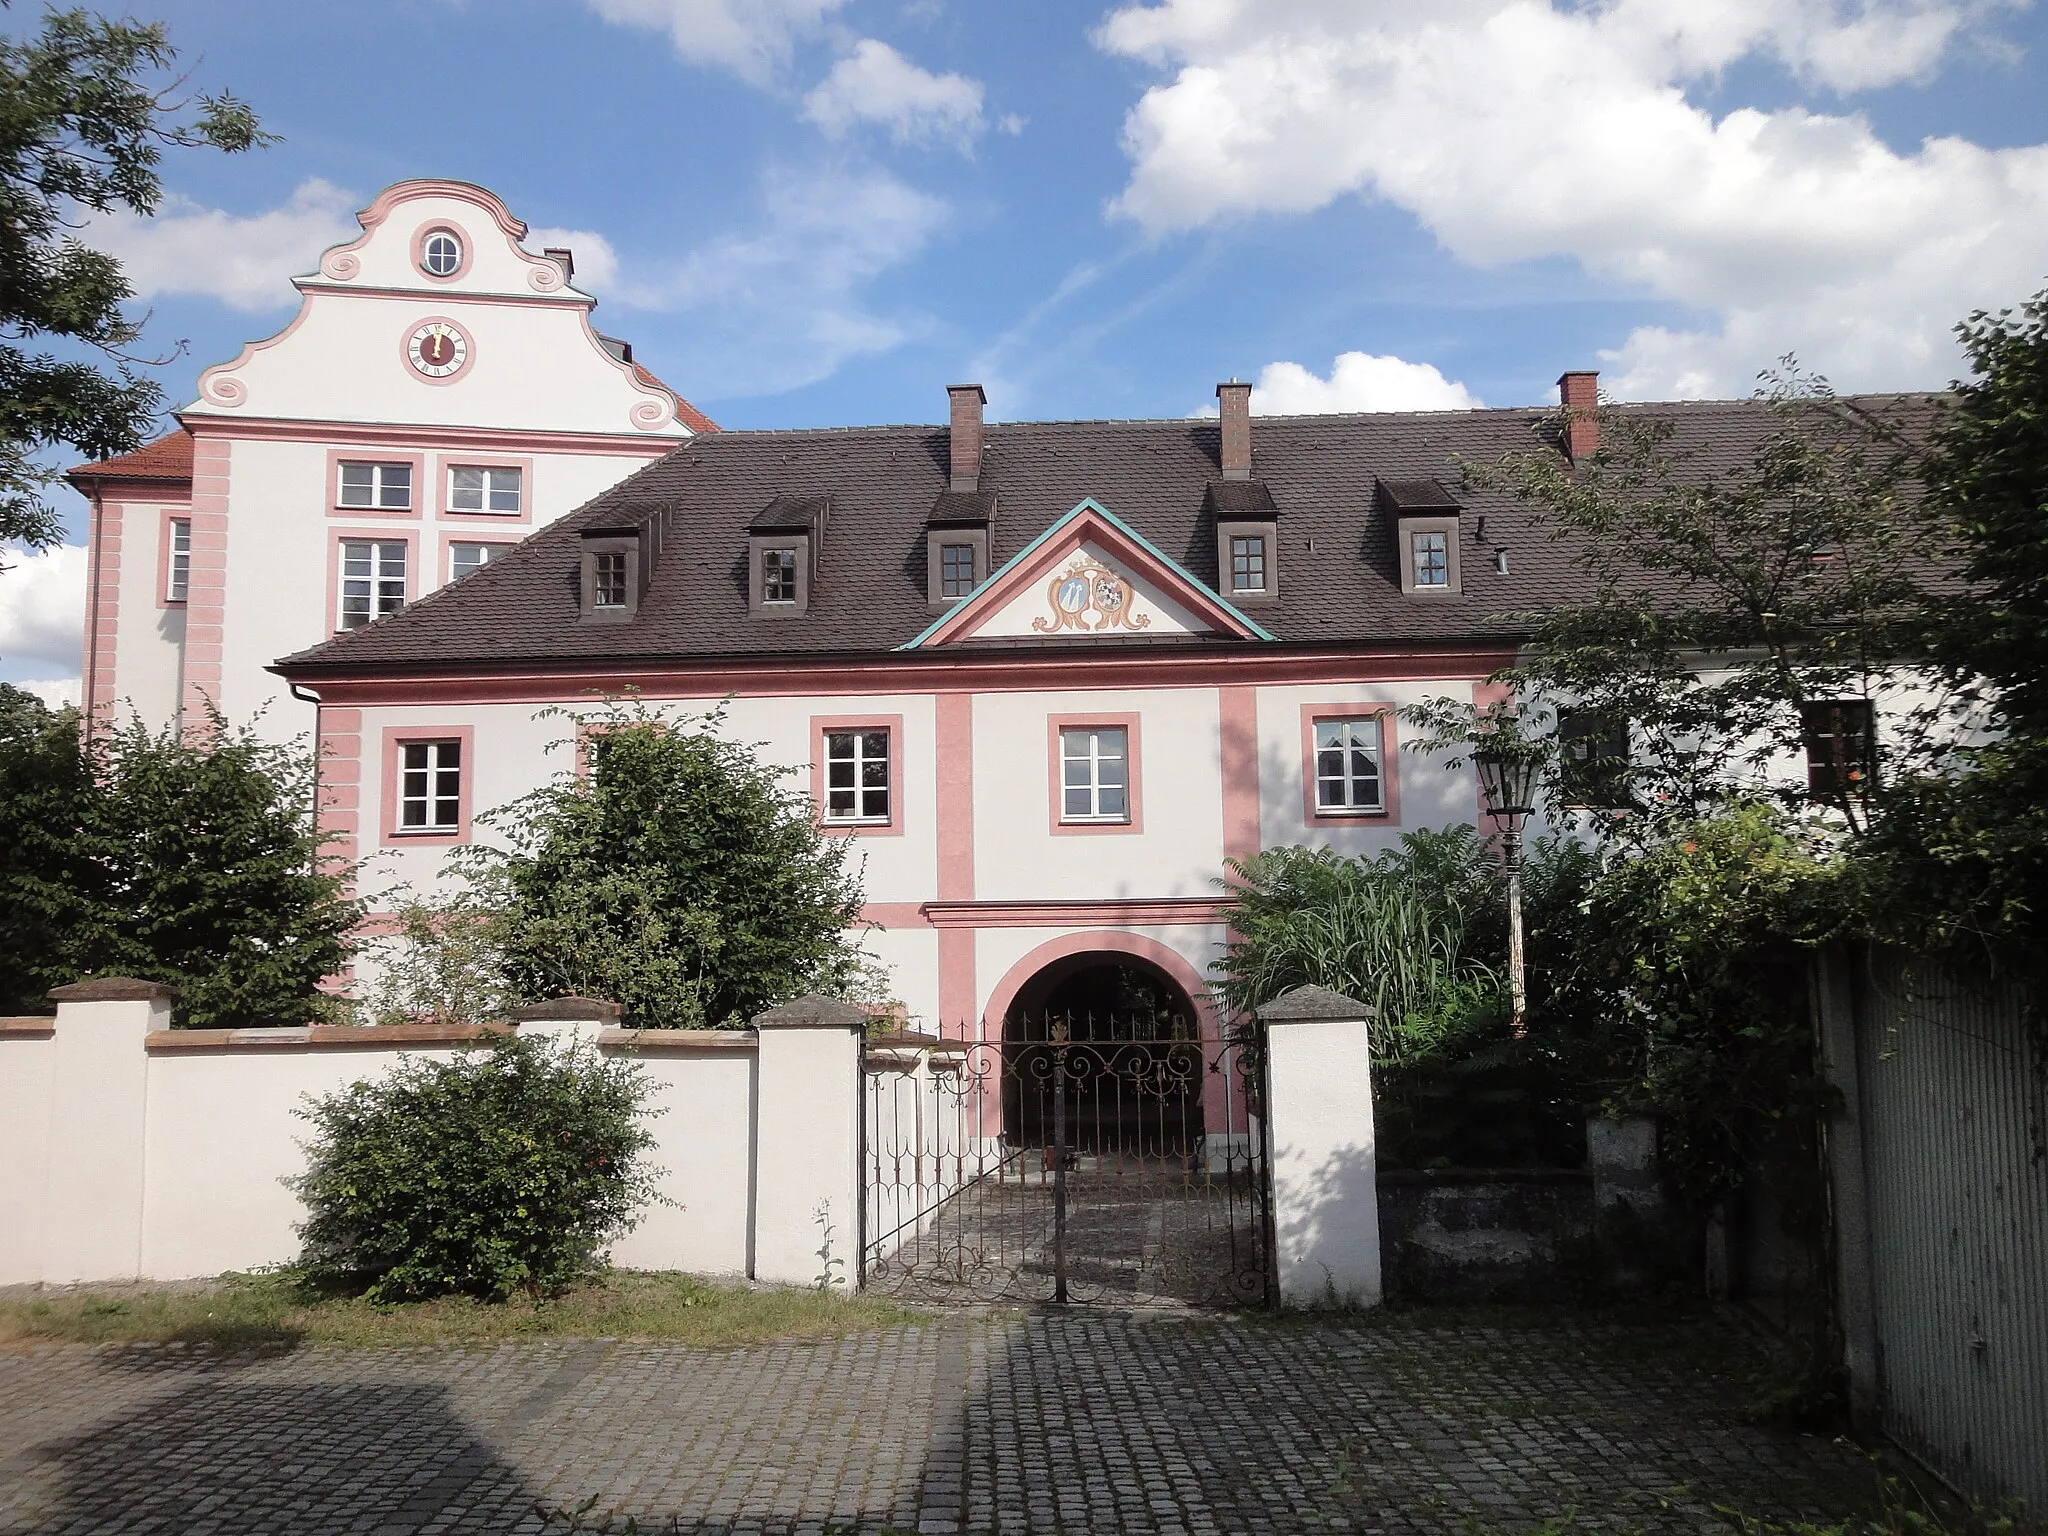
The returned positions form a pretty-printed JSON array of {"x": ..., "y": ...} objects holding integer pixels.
[{"x": 279, "y": 1311}]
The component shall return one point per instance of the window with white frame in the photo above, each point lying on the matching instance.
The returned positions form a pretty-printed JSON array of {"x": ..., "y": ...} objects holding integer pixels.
[
  {"x": 372, "y": 580},
  {"x": 480, "y": 488},
  {"x": 857, "y": 777},
  {"x": 429, "y": 786},
  {"x": 1432, "y": 559},
  {"x": 441, "y": 254},
  {"x": 178, "y": 562},
  {"x": 386, "y": 487},
  {"x": 1348, "y": 780},
  {"x": 608, "y": 580},
  {"x": 778, "y": 575},
  {"x": 464, "y": 558},
  {"x": 956, "y": 570},
  {"x": 1247, "y": 564},
  {"x": 1095, "y": 773}
]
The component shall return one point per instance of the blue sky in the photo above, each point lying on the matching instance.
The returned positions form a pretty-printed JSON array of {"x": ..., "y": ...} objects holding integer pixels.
[{"x": 823, "y": 211}]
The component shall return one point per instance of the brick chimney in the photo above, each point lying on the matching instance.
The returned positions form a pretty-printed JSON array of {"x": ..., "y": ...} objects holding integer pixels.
[
  {"x": 967, "y": 401},
  {"x": 1579, "y": 393},
  {"x": 1234, "y": 404}
]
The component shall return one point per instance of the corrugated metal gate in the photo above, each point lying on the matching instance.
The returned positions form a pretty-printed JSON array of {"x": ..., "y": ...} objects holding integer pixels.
[{"x": 1953, "y": 1122}]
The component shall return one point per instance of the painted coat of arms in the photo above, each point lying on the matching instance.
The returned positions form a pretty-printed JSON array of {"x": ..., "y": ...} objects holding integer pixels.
[{"x": 1091, "y": 598}]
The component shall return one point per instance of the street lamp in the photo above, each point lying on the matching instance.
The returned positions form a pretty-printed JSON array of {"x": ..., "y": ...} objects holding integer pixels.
[{"x": 1508, "y": 764}]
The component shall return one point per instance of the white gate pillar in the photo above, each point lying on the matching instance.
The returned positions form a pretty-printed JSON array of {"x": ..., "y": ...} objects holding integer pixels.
[
  {"x": 567, "y": 1021},
  {"x": 807, "y": 1133},
  {"x": 99, "y": 1092},
  {"x": 1326, "y": 1207}
]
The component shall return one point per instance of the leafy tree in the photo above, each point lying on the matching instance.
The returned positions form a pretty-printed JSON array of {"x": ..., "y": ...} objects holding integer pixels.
[
  {"x": 191, "y": 861},
  {"x": 501, "y": 1170},
  {"x": 678, "y": 876},
  {"x": 85, "y": 117}
]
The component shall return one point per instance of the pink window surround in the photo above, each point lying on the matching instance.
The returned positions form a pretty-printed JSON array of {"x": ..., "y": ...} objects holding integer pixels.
[
  {"x": 395, "y": 738},
  {"x": 169, "y": 516},
  {"x": 1390, "y": 780},
  {"x": 893, "y": 724},
  {"x": 206, "y": 597},
  {"x": 336, "y": 457},
  {"x": 1133, "y": 792},
  {"x": 462, "y": 243},
  {"x": 102, "y": 608},
  {"x": 445, "y": 490},
  {"x": 339, "y": 536},
  {"x": 445, "y": 571}
]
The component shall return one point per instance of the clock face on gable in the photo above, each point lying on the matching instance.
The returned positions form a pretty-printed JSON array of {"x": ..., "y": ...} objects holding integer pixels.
[{"x": 437, "y": 350}]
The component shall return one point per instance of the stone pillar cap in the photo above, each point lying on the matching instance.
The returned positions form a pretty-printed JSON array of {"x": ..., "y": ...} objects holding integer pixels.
[
  {"x": 550, "y": 1008},
  {"x": 114, "y": 989},
  {"x": 1307, "y": 1005},
  {"x": 813, "y": 1013}
]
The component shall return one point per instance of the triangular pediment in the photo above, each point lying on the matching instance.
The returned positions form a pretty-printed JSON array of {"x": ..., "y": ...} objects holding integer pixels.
[{"x": 1090, "y": 576}]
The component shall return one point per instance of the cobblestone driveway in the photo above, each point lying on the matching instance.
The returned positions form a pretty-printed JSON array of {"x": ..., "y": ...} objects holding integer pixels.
[{"x": 1079, "y": 1422}]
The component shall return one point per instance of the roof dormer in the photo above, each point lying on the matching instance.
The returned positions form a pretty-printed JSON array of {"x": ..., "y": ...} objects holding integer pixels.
[
  {"x": 1427, "y": 520},
  {"x": 783, "y": 547},
  {"x": 1247, "y": 525}
]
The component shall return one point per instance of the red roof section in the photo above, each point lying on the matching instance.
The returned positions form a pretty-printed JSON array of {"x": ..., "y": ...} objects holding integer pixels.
[
  {"x": 686, "y": 413},
  {"x": 168, "y": 458}
]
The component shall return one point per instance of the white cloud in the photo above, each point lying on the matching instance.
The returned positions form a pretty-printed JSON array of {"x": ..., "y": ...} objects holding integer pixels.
[
  {"x": 783, "y": 304},
  {"x": 876, "y": 84},
  {"x": 42, "y": 606},
  {"x": 1521, "y": 129},
  {"x": 597, "y": 264},
  {"x": 1358, "y": 381},
  {"x": 245, "y": 261},
  {"x": 57, "y": 692},
  {"x": 752, "y": 38}
]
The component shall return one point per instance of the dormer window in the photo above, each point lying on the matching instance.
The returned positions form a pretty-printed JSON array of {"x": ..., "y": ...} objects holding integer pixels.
[
  {"x": 1430, "y": 556},
  {"x": 956, "y": 570},
  {"x": 1247, "y": 540},
  {"x": 611, "y": 575},
  {"x": 778, "y": 576},
  {"x": 956, "y": 536},
  {"x": 1247, "y": 564},
  {"x": 1426, "y": 525}
]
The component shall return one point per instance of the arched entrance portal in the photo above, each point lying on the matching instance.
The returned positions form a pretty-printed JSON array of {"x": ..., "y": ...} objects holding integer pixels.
[{"x": 1103, "y": 1056}]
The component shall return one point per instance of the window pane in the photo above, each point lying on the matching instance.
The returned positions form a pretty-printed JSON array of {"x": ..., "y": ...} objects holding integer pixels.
[
  {"x": 1112, "y": 800},
  {"x": 839, "y": 804},
  {"x": 466, "y": 490},
  {"x": 395, "y": 487},
  {"x": 504, "y": 488},
  {"x": 839, "y": 744},
  {"x": 1074, "y": 803},
  {"x": 1075, "y": 771},
  {"x": 839, "y": 773}
]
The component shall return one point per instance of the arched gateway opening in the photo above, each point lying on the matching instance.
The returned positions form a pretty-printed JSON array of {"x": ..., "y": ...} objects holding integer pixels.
[{"x": 1104, "y": 1056}]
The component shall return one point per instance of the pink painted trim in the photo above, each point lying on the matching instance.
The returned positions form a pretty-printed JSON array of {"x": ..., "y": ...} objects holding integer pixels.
[
  {"x": 1237, "y": 735},
  {"x": 468, "y": 350},
  {"x": 462, "y": 243},
  {"x": 1089, "y": 527},
  {"x": 409, "y": 537},
  {"x": 338, "y": 735},
  {"x": 168, "y": 516},
  {"x": 1018, "y": 670},
  {"x": 382, "y": 438},
  {"x": 216, "y": 384},
  {"x": 894, "y": 914},
  {"x": 445, "y": 469},
  {"x": 391, "y": 835},
  {"x": 1133, "y": 793},
  {"x": 338, "y": 262},
  {"x": 1132, "y": 912},
  {"x": 957, "y": 983},
  {"x": 1487, "y": 693},
  {"x": 336, "y": 457},
  {"x": 1390, "y": 778},
  {"x": 1110, "y": 942},
  {"x": 820, "y": 724},
  {"x": 206, "y": 590},
  {"x": 102, "y": 612},
  {"x": 954, "y": 722},
  {"x": 565, "y": 299},
  {"x": 445, "y": 571}
]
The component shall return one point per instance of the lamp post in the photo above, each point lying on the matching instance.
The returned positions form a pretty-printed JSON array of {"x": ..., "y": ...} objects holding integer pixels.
[{"x": 1508, "y": 764}]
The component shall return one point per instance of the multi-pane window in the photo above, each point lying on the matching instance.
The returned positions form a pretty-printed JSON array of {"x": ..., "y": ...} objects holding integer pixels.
[
  {"x": 478, "y": 489},
  {"x": 956, "y": 570},
  {"x": 442, "y": 254},
  {"x": 385, "y": 486},
  {"x": 372, "y": 580},
  {"x": 1095, "y": 773},
  {"x": 178, "y": 565},
  {"x": 1348, "y": 766},
  {"x": 1841, "y": 747},
  {"x": 464, "y": 558},
  {"x": 1594, "y": 753},
  {"x": 429, "y": 786},
  {"x": 857, "y": 776},
  {"x": 608, "y": 580},
  {"x": 1247, "y": 564},
  {"x": 778, "y": 575},
  {"x": 1432, "y": 559}
]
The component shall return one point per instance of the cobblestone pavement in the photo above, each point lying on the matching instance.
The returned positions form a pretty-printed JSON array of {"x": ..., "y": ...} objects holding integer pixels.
[{"x": 1083, "y": 1421}]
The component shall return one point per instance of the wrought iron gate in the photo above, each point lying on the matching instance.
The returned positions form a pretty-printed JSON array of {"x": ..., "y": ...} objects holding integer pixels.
[{"x": 1084, "y": 1159}]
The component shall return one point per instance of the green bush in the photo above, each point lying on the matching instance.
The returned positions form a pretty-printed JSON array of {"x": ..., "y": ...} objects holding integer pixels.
[{"x": 507, "y": 1168}]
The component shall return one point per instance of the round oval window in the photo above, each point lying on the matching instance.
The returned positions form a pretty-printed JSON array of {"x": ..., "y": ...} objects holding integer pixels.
[{"x": 442, "y": 254}]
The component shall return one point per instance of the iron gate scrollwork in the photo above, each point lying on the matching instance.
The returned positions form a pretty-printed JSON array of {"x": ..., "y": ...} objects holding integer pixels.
[{"x": 1084, "y": 1158}]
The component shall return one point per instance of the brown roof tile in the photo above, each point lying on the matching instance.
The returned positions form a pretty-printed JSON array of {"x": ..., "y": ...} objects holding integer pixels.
[{"x": 168, "y": 458}]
